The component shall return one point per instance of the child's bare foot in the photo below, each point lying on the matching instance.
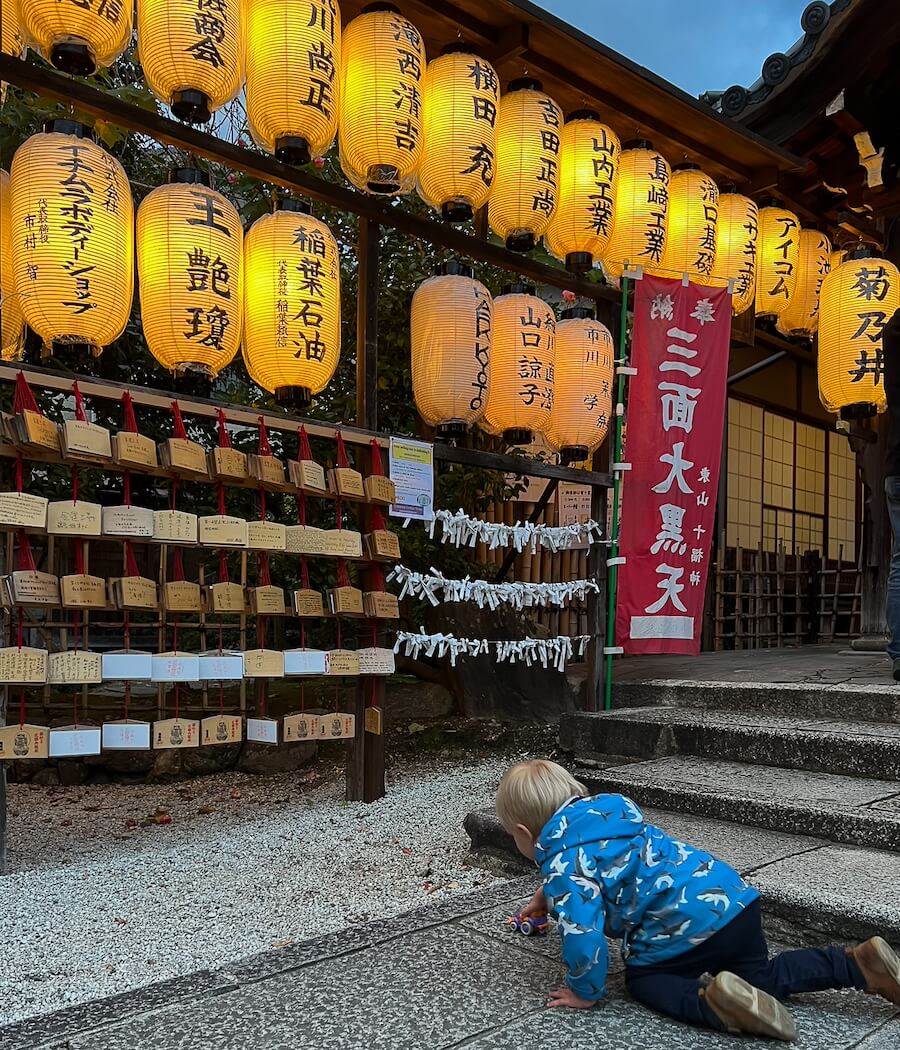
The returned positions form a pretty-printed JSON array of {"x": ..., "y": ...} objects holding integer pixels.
[
  {"x": 880, "y": 967},
  {"x": 743, "y": 1008}
]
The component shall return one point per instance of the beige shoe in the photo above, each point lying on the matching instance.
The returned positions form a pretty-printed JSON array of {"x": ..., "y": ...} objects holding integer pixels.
[
  {"x": 743, "y": 1008},
  {"x": 880, "y": 967}
]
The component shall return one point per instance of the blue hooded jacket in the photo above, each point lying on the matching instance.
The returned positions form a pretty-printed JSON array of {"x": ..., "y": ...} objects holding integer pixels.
[{"x": 608, "y": 873}]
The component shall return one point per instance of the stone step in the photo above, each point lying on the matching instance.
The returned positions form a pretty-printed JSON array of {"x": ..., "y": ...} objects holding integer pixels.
[
  {"x": 818, "y": 745},
  {"x": 854, "y": 810}
]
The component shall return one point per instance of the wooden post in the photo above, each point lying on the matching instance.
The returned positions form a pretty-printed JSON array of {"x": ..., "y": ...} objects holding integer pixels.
[{"x": 596, "y": 604}]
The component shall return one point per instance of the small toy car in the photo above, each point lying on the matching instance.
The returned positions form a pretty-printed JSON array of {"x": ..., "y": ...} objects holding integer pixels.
[{"x": 534, "y": 925}]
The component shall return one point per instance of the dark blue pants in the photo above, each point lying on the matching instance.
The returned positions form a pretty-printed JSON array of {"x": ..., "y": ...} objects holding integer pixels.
[{"x": 672, "y": 987}]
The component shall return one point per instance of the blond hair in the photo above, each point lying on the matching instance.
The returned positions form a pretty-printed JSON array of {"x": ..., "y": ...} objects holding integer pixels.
[{"x": 531, "y": 792}]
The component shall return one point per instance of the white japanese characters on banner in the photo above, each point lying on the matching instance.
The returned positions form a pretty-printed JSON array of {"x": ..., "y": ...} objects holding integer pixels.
[{"x": 677, "y": 405}]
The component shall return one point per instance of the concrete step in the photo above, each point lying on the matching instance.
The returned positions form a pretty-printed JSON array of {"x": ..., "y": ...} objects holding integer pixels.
[
  {"x": 854, "y": 810},
  {"x": 860, "y": 749}
]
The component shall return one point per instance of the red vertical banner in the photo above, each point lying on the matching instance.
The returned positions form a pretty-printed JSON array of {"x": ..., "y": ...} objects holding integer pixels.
[{"x": 676, "y": 411}]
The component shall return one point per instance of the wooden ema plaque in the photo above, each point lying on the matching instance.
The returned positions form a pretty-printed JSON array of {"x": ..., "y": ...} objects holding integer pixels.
[
  {"x": 132, "y": 666},
  {"x": 182, "y": 596},
  {"x": 133, "y": 522},
  {"x": 267, "y": 601},
  {"x": 74, "y": 741},
  {"x": 74, "y": 518},
  {"x": 81, "y": 440},
  {"x": 346, "y": 601},
  {"x": 263, "y": 663},
  {"x": 134, "y": 450},
  {"x": 262, "y": 730},
  {"x": 308, "y": 603},
  {"x": 77, "y": 667},
  {"x": 83, "y": 592},
  {"x": 380, "y": 490},
  {"x": 266, "y": 536},
  {"x": 336, "y": 726},
  {"x": 225, "y": 666},
  {"x": 300, "y": 727},
  {"x": 23, "y": 742},
  {"x": 25, "y": 666},
  {"x": 304, "y": 662},
  {"x": 222, "y": 530},
  {"x": 267, "y": 470},
  {"x": 374, "y": 721},
  {"x": 347, "y": 483},
  {"x": 176, "y": 733},
  {"x": 134, "y": 592},
  {"x": 221, "y": 729},
  {"x": 34, "y": 588},
  {"x": 184, "y": 457},
  {"x": 175, "y": 526},
  {"x": 126, "y": 734},
  {"x": 227, "y": 464},
  {"x": 342, "y": 663},
  {"x": 305, "y": 539},
  {"x": 343, "y": 543},
  {"x": 307, "y": 476},
  {"x": 34, "y": 431},
  {"x": 21, "y": 510},
  {"x": 380, "y": 605},
  {"x": 225, "y": 598},
  {"x": 175, "y": 667},
  {"x": 376, "y": 661},
  {"x": 383, "y": 545}
]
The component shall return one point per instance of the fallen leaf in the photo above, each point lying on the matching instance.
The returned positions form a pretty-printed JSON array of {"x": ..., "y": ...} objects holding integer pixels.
[
  {"x": 121, "y": 922},
  {"x": 283, "y": 944},
  {"x": 65, "y": 823},
  {"x": 205, "y": 811}
]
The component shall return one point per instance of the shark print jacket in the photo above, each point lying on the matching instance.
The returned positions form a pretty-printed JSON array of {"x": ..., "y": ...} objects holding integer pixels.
[{"x": 608, "y": 873}]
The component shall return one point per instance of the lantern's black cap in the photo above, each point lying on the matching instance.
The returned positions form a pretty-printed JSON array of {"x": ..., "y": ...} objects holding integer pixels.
[
  {"x": 729, "y": 187},
  {"x": 518, "y": 288},
  {"x": 861, "y": 251},
  {"x": 73, "y": 57},
  {"x": 637, "y": 144},
  {"x": 452, "y": 430},
  {"x": 687, "y": 166},
  {"x": 455, "y": 268},
  {"x": 861, "y": 410},
  {"x": 525, "y": 84},
  {"x": 520, "y": 242},
  {"x": 579, "y": 262},
  {"x": 390, "y": 9},
  {"x": 582, "y": 114},
  {"x": 573, "y": 454},
  {"x": 577, "y": 313},
  {"x": 518, "y": 436},
  {"x": 191, "y": 106},
  {"x": 460, "y": 47},
  {"x": 298, "y": 398},
  {"x": 456, "y": 211},
  {"x": 771, "y": 202},
  {"x": 292, "y": 149},
  {"x": 190, "y": 175},
  {"x": 70, "y": 127},
  {"x": 293, "y": 204}
]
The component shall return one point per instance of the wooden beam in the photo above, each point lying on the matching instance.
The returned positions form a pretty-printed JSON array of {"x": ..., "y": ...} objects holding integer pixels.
[{"x": 532, "y": 468}]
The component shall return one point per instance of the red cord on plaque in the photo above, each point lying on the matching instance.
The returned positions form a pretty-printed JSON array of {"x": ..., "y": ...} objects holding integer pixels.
[
  {"x": 178, "y": 428},
  {"x": 126, "y": 637}
]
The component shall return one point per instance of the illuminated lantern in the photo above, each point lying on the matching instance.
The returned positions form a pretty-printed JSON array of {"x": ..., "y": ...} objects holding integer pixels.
[
  {"x": 382, "y": 66},
  {"x": 582, "y": 224},
  {"x": 801, "y": 315},
  {"x": 77, "y": 37},
  {"x": 523, "y": 340},
  {"x": 10, "y": 311},
  {"x": 73, "y": 238},
  {"x": 189, "y": 252},
  {"x": 300, "y": 46},
  {"x": 857, "y": 301},
  {"x": 736, "y": 245},
  {"x": 292, "y": 303},
  {"x": 11, "y": 42},
  {"x": 777, "y": 259},
  {"x": 526, "y": 180},
  {"x": 837, "y": 257},
  {"x": 582, "y": 385},
  {"x": 459, "y": 117},
  {"x": 191, "y": 53},
  {"x": 642, "y": 199},
  {"x": 691, "y": 226},
  {"x": 450, "y": 337}
]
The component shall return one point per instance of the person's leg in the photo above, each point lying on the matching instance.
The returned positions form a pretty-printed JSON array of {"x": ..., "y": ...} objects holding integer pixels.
[
  {"x": 892, "y": 498},
  {"x": 672, "y": 995},
  {"x": 806, "y": 970}
]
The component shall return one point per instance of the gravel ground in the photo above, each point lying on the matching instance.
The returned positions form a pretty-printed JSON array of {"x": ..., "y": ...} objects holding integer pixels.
[{"x": 96, "y": 905}]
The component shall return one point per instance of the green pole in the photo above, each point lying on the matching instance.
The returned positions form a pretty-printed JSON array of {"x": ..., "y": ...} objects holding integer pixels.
[{"x": 613, "y": 573}]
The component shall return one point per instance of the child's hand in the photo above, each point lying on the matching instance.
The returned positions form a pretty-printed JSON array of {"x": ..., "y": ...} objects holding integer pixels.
[
  {"x": 566, "y": 997},
  {"x": 536, "y": 906}
]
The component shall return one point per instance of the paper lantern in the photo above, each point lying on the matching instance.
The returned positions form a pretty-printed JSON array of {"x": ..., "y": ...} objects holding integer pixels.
[
  {"x": 523, "y": 341},
  {"x": 582, "y": 385},
  {"x": 459, "y": 119},
  {"x": 526, "y": 181},
  {"x": 857, "y": 301},
  {"x": 302, "y": 48},
  {"x": 837, "y": 257},
  {"x": 190, "y": 265},
  {"x": 10, "y": 311},
  {"x": 642, "y": 201},
  {"x": 777, "y": 258},
  {"x": 11, "y": 42},
  {"x": 382, "y": 66},
  {"x": 736, "y": 247},
  {"x": 192, "y": 53},
  {"x": 292, "y": 303},
  {"x": 450, "y": 337},
  {"x": 801, "y": 315},
  {"x": 691, "y": 226},
  {"x": 77, "y": 36},
  {"x": 582, "y": 224},
  {"x": 73, "y": 238}
]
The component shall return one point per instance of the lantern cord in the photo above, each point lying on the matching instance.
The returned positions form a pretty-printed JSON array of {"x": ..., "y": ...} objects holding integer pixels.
[
  {"x": 80, "y": 413},
  {"x": 129, "y": 418},
  {"x": 178, "y": 426},
  {"x": 305, "y": 450}
]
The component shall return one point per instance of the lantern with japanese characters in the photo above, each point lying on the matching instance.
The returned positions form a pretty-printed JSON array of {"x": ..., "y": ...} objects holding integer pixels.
[
  {"x": 298, "y": 45},
  {"x": 526, "y": 180},
  {"x": 10, "y": 311},
  {"x": 523, "y": 351},
  {"x": 459, "y": 118},
  {"x": 582, "y": 385},
  {"x": 73, "y": 238},
  {"x": 382, "y": 66},
  {"x": 736, "y": 244},
  {"x": 801, "y": 315},
  {"x": 192, "y": 53},
  {"x": 691, "y": 226},
  {"x": 642, "y": 201},
  {"x": 857, "y": 301},
  {"x": 837, "y": 257},
  {"x": 11, "y": 42},
  {"x": 78, "y": 37},
  {"x": 292, "y": 303},
  {"x": 582, "y": 224},
  {"x": 189, "y": 251},
  {"x": 450, "y": 337},
  {"x": 777, "y": 259}
]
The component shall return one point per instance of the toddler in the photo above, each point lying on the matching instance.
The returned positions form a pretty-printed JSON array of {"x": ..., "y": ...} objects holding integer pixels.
[{"x": 691, "y": 928}]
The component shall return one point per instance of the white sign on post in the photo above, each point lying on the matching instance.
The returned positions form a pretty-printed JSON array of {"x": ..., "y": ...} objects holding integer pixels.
[
  {"x": 412, "y": 472},
  {"x": 573, "y": 505}
]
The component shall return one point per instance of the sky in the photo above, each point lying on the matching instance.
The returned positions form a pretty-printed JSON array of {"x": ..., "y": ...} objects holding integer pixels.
[{"x": 700, "y": 45}]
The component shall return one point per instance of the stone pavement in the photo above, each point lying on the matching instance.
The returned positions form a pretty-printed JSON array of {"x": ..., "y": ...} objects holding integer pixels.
[{"x": 443, "y": 977}]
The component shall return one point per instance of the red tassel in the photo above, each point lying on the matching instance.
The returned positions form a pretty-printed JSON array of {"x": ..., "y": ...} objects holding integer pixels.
[
  {"x": 343, "y": 577},
  {"x": 79, "y": 557},
  {"x": 221, "y": 490},
  {"x": 342, "y": 457},
  {"x": 20, "y": 481},
  {"x": 126, "y": 486},
  {"x": 305, "y": 451},
  {"x": 23, "y": 398},
  {"x": 265, "y": 575},
  {"x": 178, "y": 421},
  {"x": 377, "y": 468},
  {"x": 178, "y": 565},
  {"x": 224, "y": 439},
  {"x": 265, "y": 449},
  {"x": 131, "y": 565},
  {"x": 80, "y": 413},
  {"x": 378, "y": 522},
  {"x": 304, "y": 576},
  {"x": 223, "y": 567},
  {"x": 130, "y": 419},
  {"x": 25, "y": 557},
  {"x": 301, "y": 507}
]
